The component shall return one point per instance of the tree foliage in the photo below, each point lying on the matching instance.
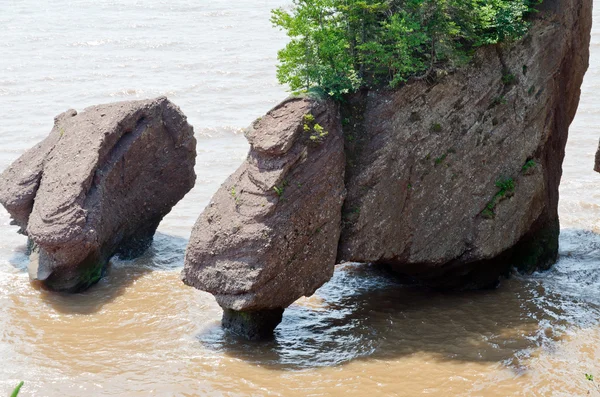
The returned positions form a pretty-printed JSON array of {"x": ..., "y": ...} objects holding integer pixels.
[{"x": 341, "y": 45}]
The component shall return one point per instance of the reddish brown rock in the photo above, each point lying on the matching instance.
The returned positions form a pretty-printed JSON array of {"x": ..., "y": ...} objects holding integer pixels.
[
  {"x": 269, "y": 235},
  {"x": 451, "y": 181},
  {"x": 99, "y": 185},
  {"x": 454, "y": 181}
]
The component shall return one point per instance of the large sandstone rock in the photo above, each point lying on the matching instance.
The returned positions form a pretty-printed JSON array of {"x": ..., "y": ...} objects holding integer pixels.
[
  {"x": 269, "y": 235},
  {"x": 454, "y": 181},
  {"x": 98, "y": 186},
  {"x": 451, "y": 181}
]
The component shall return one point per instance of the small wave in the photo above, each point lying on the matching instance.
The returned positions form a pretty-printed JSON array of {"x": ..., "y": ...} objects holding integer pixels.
[
  {"x": 9, "y": 82},
  {"x": 218, "y": 132},
  {"x": 576, "y": 275},
  {"x": 127, "y": 93}
]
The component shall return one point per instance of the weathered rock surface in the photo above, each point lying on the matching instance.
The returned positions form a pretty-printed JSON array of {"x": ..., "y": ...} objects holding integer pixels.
[
  {"x": 99, "y": 185},
  {"x": 453, "y": 182},
  {"x": 270, "y": 234}
]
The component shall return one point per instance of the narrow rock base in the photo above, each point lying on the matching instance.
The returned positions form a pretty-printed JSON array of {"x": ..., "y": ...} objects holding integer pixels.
[
  {"x": 252, "y": 325},
  {"x": 71, "y": 280}
]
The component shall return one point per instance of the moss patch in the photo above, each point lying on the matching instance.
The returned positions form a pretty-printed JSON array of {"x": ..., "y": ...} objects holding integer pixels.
[
  {"x": 538, "y": 252},
  {"x": 506, "y": 188}
]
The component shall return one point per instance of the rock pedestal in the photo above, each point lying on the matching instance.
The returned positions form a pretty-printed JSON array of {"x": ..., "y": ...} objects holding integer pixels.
[
  {"x": 252, "y": 325},
  {"x": 269, "y": 235}
]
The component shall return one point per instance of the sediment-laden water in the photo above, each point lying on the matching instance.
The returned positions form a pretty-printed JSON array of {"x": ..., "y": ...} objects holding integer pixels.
[{"x": 141, "y": 332}]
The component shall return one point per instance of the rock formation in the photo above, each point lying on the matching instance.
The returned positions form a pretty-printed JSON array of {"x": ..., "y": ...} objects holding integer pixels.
[
  {"x": 459, "y": 178},
  {"x": 450, "y": 181},
  {"x": 270, "y": 234},
  {"x": 97, "y": 186}
]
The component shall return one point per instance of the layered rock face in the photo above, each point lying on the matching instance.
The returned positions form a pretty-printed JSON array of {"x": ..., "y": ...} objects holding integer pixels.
[
  {"x": 270, "y": 234},
  {"x": 99, "y": 185},
  {"x": 453, "y": 182},
  {"x": 450, "y": 182}
]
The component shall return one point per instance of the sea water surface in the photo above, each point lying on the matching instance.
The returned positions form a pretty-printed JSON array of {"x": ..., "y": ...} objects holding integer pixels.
[{"x": 141, "y": 332}]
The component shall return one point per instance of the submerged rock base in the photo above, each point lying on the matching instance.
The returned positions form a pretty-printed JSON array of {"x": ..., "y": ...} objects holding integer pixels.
[{"x": 252, "y": 325}]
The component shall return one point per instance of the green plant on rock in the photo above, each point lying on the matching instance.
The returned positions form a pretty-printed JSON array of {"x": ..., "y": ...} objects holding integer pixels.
[
  {"x": 505, "y": 185},
  {"x": 339, "y": 46},
  {"x": 441, "y": 159},
  {"x": 528, "y": 165},
  {"x": 318, "y": 134},
  {"x": 506, "y": 188},
  {"x": 488, "y": 212},
  {"x": 590, "y": 378},
  {"x": 316, "y": 131},
  {"x": 499, "y": 100},
  {"x": 279, "y": 190},
  {"x": 508, "y": 78},
  {"x": 235, "y": 195}
]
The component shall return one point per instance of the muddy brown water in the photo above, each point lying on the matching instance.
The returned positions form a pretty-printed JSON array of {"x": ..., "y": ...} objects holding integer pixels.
[{"x": 141, "y": 332}]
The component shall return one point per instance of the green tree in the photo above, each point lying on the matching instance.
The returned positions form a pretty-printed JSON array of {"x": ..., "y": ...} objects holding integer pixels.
[
  {"x": 317, "y": 54},
  {"x": 339, "y": 46}
]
